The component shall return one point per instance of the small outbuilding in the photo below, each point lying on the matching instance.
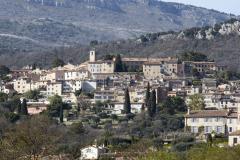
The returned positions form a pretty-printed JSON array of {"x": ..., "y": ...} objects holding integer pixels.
[
  {"x": 234, "y": 138},
  {"x": 92, "y": 152}
]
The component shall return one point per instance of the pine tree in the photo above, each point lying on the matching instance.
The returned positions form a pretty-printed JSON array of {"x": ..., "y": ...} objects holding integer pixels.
[
  {"x": 24, "y": 110},
  {"x": 127, "y": 103},
  {"x": 119, "y": 64}
]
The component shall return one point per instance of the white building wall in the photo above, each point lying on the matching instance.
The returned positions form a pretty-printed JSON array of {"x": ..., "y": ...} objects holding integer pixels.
[
  {"x": 76, "y": 75},
  {"x": 232, "y": 124},
  {"x": 118, "y": 108},
  {"x": 72, "y": 86},
  {"x": 233, "y": 140},
  {"x": 89, "y": 153},
  {"x": 216, "y": 124}
]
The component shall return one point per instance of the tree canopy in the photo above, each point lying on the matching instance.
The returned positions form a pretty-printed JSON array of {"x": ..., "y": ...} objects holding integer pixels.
[
  {"x": 4, "y": 70},
  {"x": 172, "y": 105},
  {"x": 33, "y": 94},
  {"x": 57, "y": 107},
  {"x": 31, "y": 139},
  {"x": 3, "y": 97},
  {"x": 196, "y": 102},
  {"x": 193, "y": 56},
  {"x": 57, "y": 62},
  {"x": 119, "y": 65}
]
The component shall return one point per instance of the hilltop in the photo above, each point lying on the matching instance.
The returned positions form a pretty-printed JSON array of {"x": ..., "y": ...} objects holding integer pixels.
[
  {"x": 42, "y": 24},
  {"x": 220, "y": 42}
]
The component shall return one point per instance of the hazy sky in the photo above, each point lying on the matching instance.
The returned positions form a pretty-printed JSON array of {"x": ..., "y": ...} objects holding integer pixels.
[{"x": 228, "y": 6}]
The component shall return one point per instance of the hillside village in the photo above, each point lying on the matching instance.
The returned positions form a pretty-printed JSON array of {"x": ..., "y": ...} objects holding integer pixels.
[{"x": 114, "y": 89}]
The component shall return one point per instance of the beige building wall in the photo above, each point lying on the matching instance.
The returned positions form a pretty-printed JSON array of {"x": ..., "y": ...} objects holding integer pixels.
[
  {"x": 22, "y": 85},
  {"x": 101, "y": 67},
  {"x": 95, "y": 67},
  {"x": 54, "y": 89},
  {"x": 205, "y": 66},
  {"x": 53, "y": 76},
  {"x": 163, "y": 69},
  {"x": 108, "y": 67},
  {"x": 152, "y": 71}
]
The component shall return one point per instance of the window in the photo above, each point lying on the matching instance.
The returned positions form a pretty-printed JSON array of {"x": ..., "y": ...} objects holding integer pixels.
[
  {"x": 208, "y": 119},
  {"x": 235, "y": 141},
  {"x": 230, "y": 129},
  {"x": 219, "y": 129},
  {"x": 218, "y": 119},
  {"x": 194, "y": 120},
  {"x": 194, "y": 129},
  {"x": 230, "y": 121},
  {"x": 208, "y": 129}
]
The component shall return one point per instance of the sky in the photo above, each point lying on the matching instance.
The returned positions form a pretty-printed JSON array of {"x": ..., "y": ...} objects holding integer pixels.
[{"x": 228, "y": 6}]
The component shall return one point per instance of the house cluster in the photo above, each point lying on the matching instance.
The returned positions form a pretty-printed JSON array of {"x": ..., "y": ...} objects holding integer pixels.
[
  {"x": 167, "y": 75},
  {"x": 99, "y": 78},
  {"x": 221, "y": 114}
]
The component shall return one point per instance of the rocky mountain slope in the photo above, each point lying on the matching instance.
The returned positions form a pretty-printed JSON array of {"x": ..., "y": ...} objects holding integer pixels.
[
  {"x": 30, "y": 25},
  {"x": 220, "y": 42}
]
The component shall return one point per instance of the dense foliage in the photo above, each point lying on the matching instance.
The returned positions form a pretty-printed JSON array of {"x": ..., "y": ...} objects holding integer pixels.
[
  {"x": 196, "y": 102},
  {"x": 193, "y": 56},
  {"x": 119, "y": 67},
  {"x": 57, "y": 62},
  {"x": 201, "y": 152},
  {"x": 4, "y": 71},
  {"x": 33, "y": 94}
]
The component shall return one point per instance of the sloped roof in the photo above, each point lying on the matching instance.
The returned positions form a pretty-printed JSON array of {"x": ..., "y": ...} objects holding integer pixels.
[{"x": 207, "y": 113}]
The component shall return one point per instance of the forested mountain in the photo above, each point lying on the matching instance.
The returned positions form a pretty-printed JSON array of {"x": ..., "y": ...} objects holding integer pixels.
[
  {"x": 36, "y": 31},
  {"x": 34, "y": 25},
  {"x": 220, "y": 42}
]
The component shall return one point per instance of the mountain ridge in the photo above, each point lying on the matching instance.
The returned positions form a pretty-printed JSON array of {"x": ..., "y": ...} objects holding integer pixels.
[
  {"x": 223, "y": 47},
  {"x": 81, "y": 21}
]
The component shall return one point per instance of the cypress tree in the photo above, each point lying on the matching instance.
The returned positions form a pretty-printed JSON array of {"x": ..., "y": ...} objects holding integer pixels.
[
  {"x": 24, "y": 110},
  {"x": 127, "y": 103},
  {"x": 61, "y": 114},
  {"x": 152, "y": 107},
  {"x": 19, "y": 106},
  {"x": 147, "y": 97},
  {"x": 153, "y": 102},
  {"x": 119, "y": 64}
]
